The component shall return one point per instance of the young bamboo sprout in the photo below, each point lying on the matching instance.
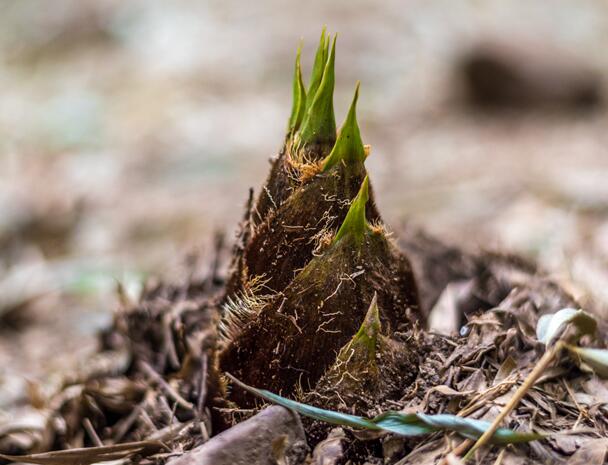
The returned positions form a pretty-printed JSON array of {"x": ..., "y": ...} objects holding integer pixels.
[
  {"x": 322, "y": 307},
  {"x": 320, "y": 259}
]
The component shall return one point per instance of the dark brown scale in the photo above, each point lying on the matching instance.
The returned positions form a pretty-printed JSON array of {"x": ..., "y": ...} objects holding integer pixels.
[{"x": 280, "y": 182}]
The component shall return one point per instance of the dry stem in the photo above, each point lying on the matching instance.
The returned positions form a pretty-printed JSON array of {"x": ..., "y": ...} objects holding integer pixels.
[{"x": 538, "y": 370}]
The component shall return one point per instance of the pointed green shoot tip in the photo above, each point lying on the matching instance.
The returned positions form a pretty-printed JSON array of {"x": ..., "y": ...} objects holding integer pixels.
[
  {"x": 319, "y": 124},
  {"x": 299, "y": 95},
  {"x": 317, "y": 68},
  {"x": 326, "y": 48},
  {"x": 355, "y": 223},
  {"x": 367, "y": 336},
  {"x": 349, "y": 146}
]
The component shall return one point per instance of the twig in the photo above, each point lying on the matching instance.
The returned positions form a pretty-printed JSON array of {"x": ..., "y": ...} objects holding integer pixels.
[
  {"x": 166, "y": 386},
  {"x": 457, "y": 451},
  {"x": 464, "y": 445},
  {"x": 146, "y": 418},
  {"x": 88, "y": 426},
  {"x": 581, "y": 410},
  {"x": 123, "y": 426},
  {"x": 202, "y": 389},
  {"x": 500, "y": 457},
  {"x": 538, "y": 370},
  {"x": 168, "y": 345}
]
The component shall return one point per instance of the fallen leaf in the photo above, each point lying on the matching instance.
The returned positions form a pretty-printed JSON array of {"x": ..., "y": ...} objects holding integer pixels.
[{"x": 551, "y": 327}]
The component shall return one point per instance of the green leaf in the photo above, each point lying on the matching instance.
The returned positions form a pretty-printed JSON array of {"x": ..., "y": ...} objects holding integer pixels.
[
  {"x": 319, "y": 125},
  {"x": 552, "y": 326},
  {"x": 595, "y": 359},
  {"x": 355, "y": 223},
  {"x": 317, "y": 69},
  {"x": 403, "y": 424},
  {"x": 299, "y": 96},
  {"x": 349, "y": 146},
  {"x": 413, "y": 424}
]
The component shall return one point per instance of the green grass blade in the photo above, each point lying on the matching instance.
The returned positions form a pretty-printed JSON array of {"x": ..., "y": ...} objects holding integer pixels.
[
  {"x": 403, "y": 424},
  {"x": 328, "y": 416}
]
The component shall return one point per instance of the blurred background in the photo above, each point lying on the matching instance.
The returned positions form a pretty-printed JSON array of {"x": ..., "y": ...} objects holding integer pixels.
[{"x": 130, "y": 132}]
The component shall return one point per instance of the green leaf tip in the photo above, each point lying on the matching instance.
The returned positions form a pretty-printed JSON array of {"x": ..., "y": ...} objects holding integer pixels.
[
  {"x": 349, "y": 146},
  {"x": 298, "y": 108},
  {"x": 317, "y": 69},
  {"x": 368, "y": 333},
  {"x": 403, "y": 424},
  {"x": 355, "y": 223},
  {"x": 319, "y": 123}
]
